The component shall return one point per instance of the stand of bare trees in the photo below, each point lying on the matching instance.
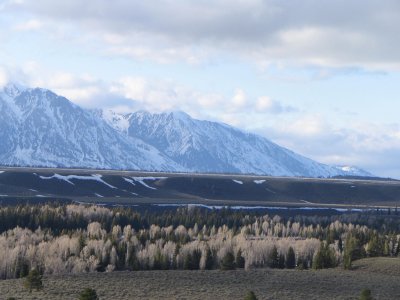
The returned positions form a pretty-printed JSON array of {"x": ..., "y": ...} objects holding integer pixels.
[{"x": 261, "y": 241}]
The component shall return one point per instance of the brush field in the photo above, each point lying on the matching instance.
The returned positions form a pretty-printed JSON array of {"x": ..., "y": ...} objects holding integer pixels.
[{"x": 381, "y": 275}]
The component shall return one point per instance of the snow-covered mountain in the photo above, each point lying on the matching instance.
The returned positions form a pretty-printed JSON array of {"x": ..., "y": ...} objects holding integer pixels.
[
  {"x": 205, "y": 146},
  {"x": 354, "y": 171},
  {"x": 40, "y": 128}
]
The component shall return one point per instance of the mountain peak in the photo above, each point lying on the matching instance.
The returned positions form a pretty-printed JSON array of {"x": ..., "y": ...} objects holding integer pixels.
[
  {"x": 13, "y": 89},
  {"x": 180, "y": 115},
  {"x": 39, "y": 98},
  {"x": 42, "y": 128},
  {"x": 114, "y": 119},
  {"x": 354, "y": 171},
  {"x": 175, "y": 114}
]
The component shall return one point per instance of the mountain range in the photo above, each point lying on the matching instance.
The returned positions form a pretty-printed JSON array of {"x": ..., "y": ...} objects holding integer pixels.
[{"x": 41, "y": 128}]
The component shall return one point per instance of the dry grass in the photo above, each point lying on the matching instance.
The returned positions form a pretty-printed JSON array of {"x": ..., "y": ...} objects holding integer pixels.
[
  {"x": 379, "y": 265},
  {"x": 380, "y": 275}
]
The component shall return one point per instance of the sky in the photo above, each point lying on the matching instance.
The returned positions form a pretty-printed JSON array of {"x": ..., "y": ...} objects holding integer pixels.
[{"x": 319, "y": 77}]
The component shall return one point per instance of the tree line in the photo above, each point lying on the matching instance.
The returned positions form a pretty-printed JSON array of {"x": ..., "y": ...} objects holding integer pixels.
[
  {"x": 59, "y": 217},
  {"x": 76, "y": 238}
]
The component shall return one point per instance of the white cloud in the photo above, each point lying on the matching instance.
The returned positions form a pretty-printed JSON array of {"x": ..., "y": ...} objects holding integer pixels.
[
  {"x": 3, "y": 77},
  {"x": 29, "y": 25},
  {"x": 239, "y": 99},
  {"x": 134, "y": 93},
  {"x": 13, "y": 74},
  {"x": 323, "y": 33},
  {"x": 312, "y": 125},
  {"x": 131, "y": 93},
  {"x": 265, "y": 104},
  {"x": 153, "y": 95},
  {"x": 164, "y": 55},
  {"x": 369, "y": 145},
  {"x": 82, "y": 89}
]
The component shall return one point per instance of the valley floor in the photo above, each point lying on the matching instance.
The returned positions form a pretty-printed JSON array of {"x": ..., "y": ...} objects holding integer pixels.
[{"x": 380, "y": 275}]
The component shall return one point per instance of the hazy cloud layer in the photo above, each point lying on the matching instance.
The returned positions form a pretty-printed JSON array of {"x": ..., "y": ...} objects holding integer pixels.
[
  {"x": 312, "y": 32},
  {"x": 127, "y": 94},
  {"x": 373, "y": 146}
]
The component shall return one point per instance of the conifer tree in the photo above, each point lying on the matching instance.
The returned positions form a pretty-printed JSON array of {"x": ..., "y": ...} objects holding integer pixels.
[
  {"x": 187, "y": 262},
  {"x": 366, "y": 295},
  {"x": 375, "y": 247},
  {"x": 209, "y": 260},
  {"x": 273, "y": 258},
  {"x": 228, "y": 262},
  {"x": 240, "y": 262},
  {"x": 352, "y": 251},
  {"x": 88, "y": 294},
  {"x": 33, "y": 280},
  {"x": 325, "y": 257},
  {"x": 340, "y": 245},
  {"x": 196, "y": 259},
  {"x": 250, "y": 296},
  {"x": 281, "y": 261},
  {"x": 290, "y": 261}
]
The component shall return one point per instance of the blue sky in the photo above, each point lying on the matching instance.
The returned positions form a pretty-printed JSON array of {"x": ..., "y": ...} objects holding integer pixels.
[{"x": 319, "y": 77}]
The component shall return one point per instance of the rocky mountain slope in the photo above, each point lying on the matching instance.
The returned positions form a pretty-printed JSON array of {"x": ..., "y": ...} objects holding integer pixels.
[
  {"x": 205, "y": 146},
  {"x": 40, "y": 128}
]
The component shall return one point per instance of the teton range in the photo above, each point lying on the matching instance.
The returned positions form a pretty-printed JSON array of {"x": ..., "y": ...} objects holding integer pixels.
[{"x": 40, "y": 128}]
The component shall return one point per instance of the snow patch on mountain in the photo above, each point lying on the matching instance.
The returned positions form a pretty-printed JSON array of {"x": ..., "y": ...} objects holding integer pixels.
[
  {"x": 59, "y": 177},
  {"x": 118, "y": 121},
  {"x": 68, "y": 178},
  {"x": 129, "y": 181},
  {"x": 259, "y": 181},
  {"x": 142, "y": 179}
]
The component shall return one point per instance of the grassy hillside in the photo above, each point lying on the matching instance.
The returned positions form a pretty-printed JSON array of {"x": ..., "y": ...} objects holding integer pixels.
[
  {"x": 117, "y": 187},
  {"x": 381, "y": 275},
  {"x": 378, "y": 265}
]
